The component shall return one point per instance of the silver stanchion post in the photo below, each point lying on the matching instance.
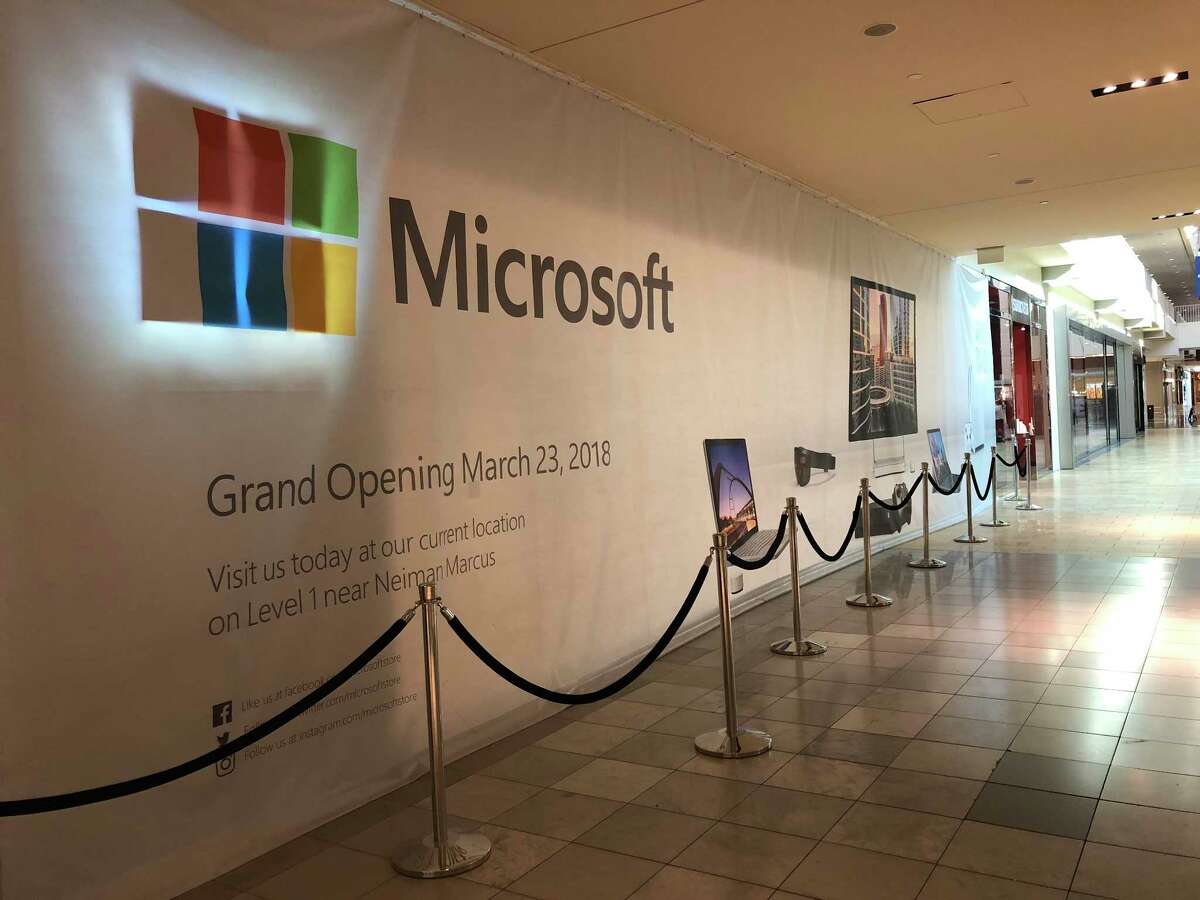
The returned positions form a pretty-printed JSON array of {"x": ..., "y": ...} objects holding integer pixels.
[
  {"x": 443, "y": 852},
  {"x": 1029, "y": 505},
  {"x": 996, "y": 522},
  {"x": 796, "y": 645},
  {"x": 1015, "y": 496},
  {"x": 868, "y": 598},
  {"x": 729, "y": 742},
  {"x": 926, "y": 561},
  {"x": 970, "y": 537}
]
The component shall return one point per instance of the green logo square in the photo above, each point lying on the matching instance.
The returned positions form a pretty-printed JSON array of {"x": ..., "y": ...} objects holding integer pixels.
[{"x": 324, "y": 185}]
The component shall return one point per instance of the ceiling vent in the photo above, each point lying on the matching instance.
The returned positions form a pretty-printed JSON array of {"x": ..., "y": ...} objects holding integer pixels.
[{"x": 972, "y": 104}]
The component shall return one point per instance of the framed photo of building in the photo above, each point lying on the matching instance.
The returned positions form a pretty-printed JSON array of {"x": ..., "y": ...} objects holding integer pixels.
[{"x": 883, "y": 361}]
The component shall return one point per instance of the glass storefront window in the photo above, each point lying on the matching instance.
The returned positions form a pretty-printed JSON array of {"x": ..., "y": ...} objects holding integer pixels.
[{"x": 1094, "y": 417}]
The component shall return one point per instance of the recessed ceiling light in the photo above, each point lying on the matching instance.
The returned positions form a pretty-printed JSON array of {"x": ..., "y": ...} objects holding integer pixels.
[
  {"x": 993, "y": 156},
  {"x": 1043, "y": 203},
  {"x": 879, "y": 29},
  {"x": 1024, "y": 181},
  {"x": 1139, "y": 83},
  {"x": 915, "y": 76}
]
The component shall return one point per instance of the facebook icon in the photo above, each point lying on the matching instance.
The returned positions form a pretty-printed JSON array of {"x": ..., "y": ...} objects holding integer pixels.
[{"x": 222, "y": 713}]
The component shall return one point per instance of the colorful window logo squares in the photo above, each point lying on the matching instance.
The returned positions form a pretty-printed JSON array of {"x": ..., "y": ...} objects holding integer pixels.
[
  {"x": 324, "y": 185},
  {"x": 242, "y": 170},
  {"x": 241, "y": 277},
  {"x": 322, "y": 277}
]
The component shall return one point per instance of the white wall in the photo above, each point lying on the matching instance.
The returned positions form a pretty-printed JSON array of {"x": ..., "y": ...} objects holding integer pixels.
[{"x": 107, "y": 659}]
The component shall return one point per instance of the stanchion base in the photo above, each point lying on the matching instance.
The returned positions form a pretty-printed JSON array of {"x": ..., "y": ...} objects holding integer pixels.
[
  {"x": 970, "y": 539},
  {"x": 1013, "y": 498},
  {"x": 927, "y": 563},
  {"x": 1028, "y": 507},
  {"x": 748, "y": 743},
  {"x": 419, "y": 858},
  {"x": 999, "y": 523},
  {"x": 792, "y": 647},
  {"x": 869, "y": 601}
]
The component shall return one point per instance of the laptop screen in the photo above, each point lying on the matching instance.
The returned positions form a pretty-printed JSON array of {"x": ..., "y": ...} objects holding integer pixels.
[
  {"x": 939, "y": 466},
  {"x": 732, "y": 493}
]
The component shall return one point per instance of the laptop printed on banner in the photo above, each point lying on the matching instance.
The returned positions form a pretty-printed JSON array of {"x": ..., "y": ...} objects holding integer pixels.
[{"x": 732, "y": 491}]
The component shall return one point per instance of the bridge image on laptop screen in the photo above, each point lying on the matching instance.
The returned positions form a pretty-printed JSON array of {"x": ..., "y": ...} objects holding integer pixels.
[{"x": 732, "y": 493}]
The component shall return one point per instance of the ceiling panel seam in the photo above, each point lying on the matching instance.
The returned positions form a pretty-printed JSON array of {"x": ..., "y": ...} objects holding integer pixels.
[{"x": 503, "y": 47}]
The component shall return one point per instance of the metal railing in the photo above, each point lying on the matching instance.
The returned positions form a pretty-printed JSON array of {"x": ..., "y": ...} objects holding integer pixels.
[{"x": 1188, "y": 313}]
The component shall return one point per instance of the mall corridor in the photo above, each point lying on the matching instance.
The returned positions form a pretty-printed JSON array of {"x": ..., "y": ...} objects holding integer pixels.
[{"x": 1022, "y": 724}]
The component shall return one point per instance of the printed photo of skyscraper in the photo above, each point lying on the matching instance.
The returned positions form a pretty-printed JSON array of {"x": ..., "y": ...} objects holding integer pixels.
[{"x": 883, "y": 361}]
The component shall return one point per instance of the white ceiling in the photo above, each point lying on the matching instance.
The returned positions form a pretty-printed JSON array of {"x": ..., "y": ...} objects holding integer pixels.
[
  {"x": 1168, "y": 257},
  {"x": 797, "y": 87}
]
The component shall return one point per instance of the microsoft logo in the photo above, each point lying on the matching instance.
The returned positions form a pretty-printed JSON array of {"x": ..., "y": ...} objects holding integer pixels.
[{"x": 274, "y": 233}]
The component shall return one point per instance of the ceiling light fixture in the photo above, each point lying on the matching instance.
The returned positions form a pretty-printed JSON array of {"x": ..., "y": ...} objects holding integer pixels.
[
  {"x": 1139, "y": 83},
  {"x": 1024, "y": 181},
  {"x": 1175, "y": 215},
  {"x": 879, "y": 29},
  {"x": 1043, "y": 203},
  {"x": 915, "y": 76}
]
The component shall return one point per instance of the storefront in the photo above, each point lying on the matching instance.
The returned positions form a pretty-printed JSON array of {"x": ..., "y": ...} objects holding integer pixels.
[
  {"x": 1019, "y": 360},
  {"x": 1094, "y": 407}
]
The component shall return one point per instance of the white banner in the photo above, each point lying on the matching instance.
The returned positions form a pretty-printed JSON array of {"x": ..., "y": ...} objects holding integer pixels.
[{"x": 314, "y": 299}]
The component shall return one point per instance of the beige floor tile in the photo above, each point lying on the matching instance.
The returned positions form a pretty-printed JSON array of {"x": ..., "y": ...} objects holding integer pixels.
[
  {"x": 817, "y": 775},
  {"x": 955, "y": 884},
  {"x": 948, "y": 759},
  {"x": 753, "y": 768},
  {"x": 906, "y": 701},
  {"x": 584, "y": 873},
  {"x": 214, "y": 890},
  {"x": 482, "y": 798},
  {"x": 1145, "y": 828},
  {"x": 402, "y": 888},
  {"x": 537, "y": 765},
  {"x": 513, "y": 854},
  {"x": 789, "y": 812},
  {"x": 883, "y": 721},
  {"x": 336, "y": 873},
  {"x": 1165, "y": 790},
  {"x": 648, "y": 748},
  {"x": 924, "y": 792},
  {"x": 660, "y": 693},
  {"x": 745, "y": 854},
  {"x": 1010, "y": 853},
  {"x": 612, "y": 779},
  {"x": 1128, "y": 874},
  {"x": 558, "y": 814},
  {"x": 411, "y": 823},
  {"x": 586, "y": 738},
  {"x": 627, "y": 714},
  {"x": 901, "y": 832},
  {"x": 646, "y": 832},
  {"x": 270, "y": 864},
  {"x": 696, "y": 795},
  {"x": 673, "y": 883},
  {"x": 837, "y": 872}
]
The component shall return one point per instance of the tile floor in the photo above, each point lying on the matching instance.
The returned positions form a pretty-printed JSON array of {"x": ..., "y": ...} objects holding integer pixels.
[{"x": 1024, "y": 723}]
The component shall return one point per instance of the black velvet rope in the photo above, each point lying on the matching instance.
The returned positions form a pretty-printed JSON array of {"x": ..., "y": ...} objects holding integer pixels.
[
  {"x": 833, "y": 557},
  {"x": 752, "y": 564},
  {"x": 1016, "y": 459},
  {"x": 896, "y": 507},
  {"x": 953, "y": 487},
  {"x": 982, "y": 495},
  {"x": 621, "y": 683},
  {"x": 157, "y": 779}
]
